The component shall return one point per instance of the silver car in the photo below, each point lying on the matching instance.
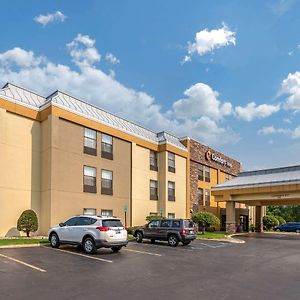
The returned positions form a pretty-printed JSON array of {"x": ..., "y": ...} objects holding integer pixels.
[{"x": 90, "y": 232}]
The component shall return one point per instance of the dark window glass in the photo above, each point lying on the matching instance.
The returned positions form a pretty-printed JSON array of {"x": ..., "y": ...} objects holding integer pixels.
[
  {"x": 112, "y": 223},
  {"x": 106, "y": 182},
  {"x": 200, "y": 172},
  {"x": 153, "y": 161},
  {"x": 207, "y": 174},
  {"x": 165, "y": 223},
  {"x": 106, "y": 146},
  {"x": 90, "y": 141},
  {"x": 89, "y": 179},
  {"x": 153, "y": 190},
  {"x": 171, "y": 162},
  {"x": 200, "y": 196},
  {"x": 71, "y": 222},
  {"x": 154, "y": 224},
  {"x": 188, "y": 224},
  {"x": 207, "y": 197},
  {"x": 176, "y": 224},
  {"x": 82, "y": 221},
  {"x": 171, "y": 191}
]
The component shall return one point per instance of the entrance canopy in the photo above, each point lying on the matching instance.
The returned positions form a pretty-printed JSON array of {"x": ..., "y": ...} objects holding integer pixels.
[{"x": 279, "y": 186}]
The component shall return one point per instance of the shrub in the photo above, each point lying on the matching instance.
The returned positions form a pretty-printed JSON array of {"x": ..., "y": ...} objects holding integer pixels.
[
  {"x": 270, "y": 221},
  {"x": 151, "y": 218},
  {"x": 280, "y": 219},
  {"x": 205, "y": 219},
  {"x": 130, "y": 230},
  {"x": 210, "y": 229},
  {"x": 28, "y": 222}
]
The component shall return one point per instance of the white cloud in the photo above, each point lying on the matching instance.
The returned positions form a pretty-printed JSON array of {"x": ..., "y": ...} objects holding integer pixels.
[
  {"x": 83, "y": 52},
  {"x": 201, "y": 100},
  {"x": 50, "y": 18},
  {"x": 296, "y": 133},
  {"x": 291, "y": 86},
  {"x": 252, "y": 111},
  {"x": 111, "y": 58},
  {"x": 90, "y": 83},
  {"x": 280, "y": 7},
  {"x": 272, "y": 130},
  {"x": 208, "y": 40}
]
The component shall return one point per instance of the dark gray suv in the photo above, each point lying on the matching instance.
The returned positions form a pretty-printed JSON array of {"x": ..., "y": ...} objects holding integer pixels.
[{"x": 171, "y": 230}]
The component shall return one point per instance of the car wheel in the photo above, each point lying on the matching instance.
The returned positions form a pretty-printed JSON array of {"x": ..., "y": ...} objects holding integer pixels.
[
  {"x": 297, "y": 230},
  {"x": 139, "y": 237},
  {"x": 89, "y": 246},
  {"x": 54, "y": 240},
  {"x": 116, "y": 249},
  {"x": 278, "y": 230},
  {"x": 173, "y": 240},
  {"x": 152, "y": 241},
  {"x": 186, "y": 243}
]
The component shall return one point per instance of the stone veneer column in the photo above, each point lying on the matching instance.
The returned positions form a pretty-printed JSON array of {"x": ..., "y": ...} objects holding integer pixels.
[
  {"x": 259, "y": 219},
  {"x": 230, "y": 217}
]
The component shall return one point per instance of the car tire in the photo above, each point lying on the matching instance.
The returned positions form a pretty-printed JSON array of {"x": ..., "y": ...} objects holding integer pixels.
[
  {"x": 89, "y": 245},
  {"x": 173, "y": 240},
  {"x": 139, "y": 237},
  {"x": 54, "y": 240},
  {"x": 186, "y": 243},
  {"x": 116, "y": 249},
  {"x": 297, "y": 230},
  {"x": 152, "y": 241},
  {"x": 278, "y": 230}
]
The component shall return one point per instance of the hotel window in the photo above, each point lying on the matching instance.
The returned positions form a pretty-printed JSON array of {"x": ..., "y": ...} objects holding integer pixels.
[
  {"x": 90, "y": 141},
  {"x": 171, "y": 162},
  {"x": 153, "y": 161},
  {"x": 90, "y": 211},
  {"x": 227, "y": 177},
  {"x": 171, "y": 191},
  {"x": 153, "y": 190},
  {"x": 200, "y": 172},
  {"x": 207, "y": 197},
  {"x": 106, "y": 213},
  {"x": 207, "y": 174},
  {"x": 89, "y": 179},
  {"x": 106, "y": 182},
  {"x": 200, "y": 196},
  {"x": 171, "y": 216},
  {"x": 153, "y": 214},
  {"x": 106, "y": 146}
]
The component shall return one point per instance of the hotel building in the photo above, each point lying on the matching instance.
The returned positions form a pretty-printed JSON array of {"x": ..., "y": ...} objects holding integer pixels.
[{"x": 61, "y": 156}]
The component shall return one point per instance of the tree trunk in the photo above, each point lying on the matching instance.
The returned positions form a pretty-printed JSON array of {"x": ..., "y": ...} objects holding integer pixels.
[{"x": 27, "y": 233}]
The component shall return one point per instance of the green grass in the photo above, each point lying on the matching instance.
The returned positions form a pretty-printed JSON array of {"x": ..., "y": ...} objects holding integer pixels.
[
  {"x": 22, "y": 241},
  {"x": 212, "y": 235}
]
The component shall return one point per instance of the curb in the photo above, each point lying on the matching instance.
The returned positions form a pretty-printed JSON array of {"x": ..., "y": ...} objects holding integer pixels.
[
  {"x": 228, "y": 240},
  {"x": 20, "y": 246}
]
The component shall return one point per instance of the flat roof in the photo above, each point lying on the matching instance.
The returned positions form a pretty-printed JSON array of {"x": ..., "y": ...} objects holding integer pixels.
[{"x": 258, "y": 178}]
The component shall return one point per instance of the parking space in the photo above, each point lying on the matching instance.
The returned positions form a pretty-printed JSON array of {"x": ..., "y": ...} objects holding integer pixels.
[{"x": 260, "y": 269}]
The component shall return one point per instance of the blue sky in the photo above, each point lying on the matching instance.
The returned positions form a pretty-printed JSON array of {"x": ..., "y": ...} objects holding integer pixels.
[{"x": 224, "y": 72}]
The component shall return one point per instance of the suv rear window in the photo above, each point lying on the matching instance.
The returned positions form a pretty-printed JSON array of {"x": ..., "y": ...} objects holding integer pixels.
[
  {"x": 112, "y": 223},
  {"x": 188, "y": 224}
]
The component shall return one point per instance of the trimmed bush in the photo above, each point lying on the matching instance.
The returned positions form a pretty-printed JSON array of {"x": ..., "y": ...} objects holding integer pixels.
[
  {"x": 28, "y": 222},
  {"x": 280, "y": 219},
  {"x": 270, "y": 221},
  {"x": 151, "y": 218},
  {"x": 210, "y": 229},
  {"x": 205, "y": 219},
  {"x": 130, "y": 230}
]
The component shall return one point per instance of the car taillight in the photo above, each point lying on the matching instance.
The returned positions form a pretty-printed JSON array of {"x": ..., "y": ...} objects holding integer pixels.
[
  {"x": 103, "y": 228},
  {"x": 183, "y": 231}
]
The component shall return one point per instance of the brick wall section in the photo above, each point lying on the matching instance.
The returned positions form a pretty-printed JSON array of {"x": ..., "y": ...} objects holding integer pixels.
[{"x": 197, "y": 154}]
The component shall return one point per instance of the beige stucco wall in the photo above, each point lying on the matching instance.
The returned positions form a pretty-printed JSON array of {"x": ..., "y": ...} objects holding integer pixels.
[
  {"x": 20, "y": 169},
  {"x": 68, "y": 160},
  {"x": 141, "y": 176}
]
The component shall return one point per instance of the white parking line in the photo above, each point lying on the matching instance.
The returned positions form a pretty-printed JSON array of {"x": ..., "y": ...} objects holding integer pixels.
[
  {"x": 220, "y": 245},
  {"x": 23, "y": 263},
  {"x": 79, "y": 254},
  {"x": 142, "y": 252}
]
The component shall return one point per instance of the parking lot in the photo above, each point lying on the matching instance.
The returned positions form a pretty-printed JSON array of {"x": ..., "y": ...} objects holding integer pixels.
[{"x": 258, "y": 269}]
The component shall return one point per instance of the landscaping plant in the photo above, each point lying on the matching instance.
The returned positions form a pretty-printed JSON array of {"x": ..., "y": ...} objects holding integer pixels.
[
  {"x": 28, "y": 222},
  {"x": 205, "y": 219}
]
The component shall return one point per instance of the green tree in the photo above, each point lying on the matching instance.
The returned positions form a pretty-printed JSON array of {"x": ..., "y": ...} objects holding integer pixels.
[
  {"x": 28, "y": 222},
  {"x": 206, "y": 219},
  {"x": 270, "y": 221},
  {"x": 280, "y": 219}
]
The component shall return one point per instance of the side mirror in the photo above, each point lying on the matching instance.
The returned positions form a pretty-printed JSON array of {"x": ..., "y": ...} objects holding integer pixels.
[{"x": 62, "y": 224}]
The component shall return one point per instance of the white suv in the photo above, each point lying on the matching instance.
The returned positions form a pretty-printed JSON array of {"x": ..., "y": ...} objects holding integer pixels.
[{"x": 91, "y": 232}]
